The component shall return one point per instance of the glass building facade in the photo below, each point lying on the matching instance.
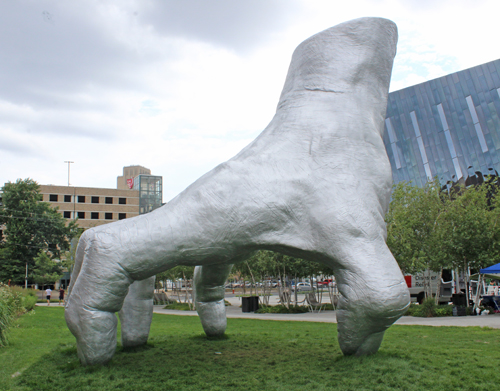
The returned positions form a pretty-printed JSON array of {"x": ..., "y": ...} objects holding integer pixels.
[
  {"x": 150, "y": 192},
  {"x": 447, "y": 127}
]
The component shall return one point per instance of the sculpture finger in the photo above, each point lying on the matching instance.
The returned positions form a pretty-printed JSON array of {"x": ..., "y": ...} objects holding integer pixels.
[
  {"x": 137, "y": 313},
  {"x": 209, "y": 297},
  {"x": 97, "y": 294},
  {"x": 374, "y": 296}
]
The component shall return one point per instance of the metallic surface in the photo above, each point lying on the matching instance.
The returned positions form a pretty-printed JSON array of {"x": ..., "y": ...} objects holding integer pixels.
[{"x": 314, "y": 184}]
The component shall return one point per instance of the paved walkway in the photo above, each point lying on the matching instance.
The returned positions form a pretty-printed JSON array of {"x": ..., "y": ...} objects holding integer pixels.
[{"x": 234, "y": 311}]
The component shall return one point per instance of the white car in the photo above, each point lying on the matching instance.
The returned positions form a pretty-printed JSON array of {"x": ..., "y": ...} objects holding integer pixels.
[{"x": 302, "y": 286}]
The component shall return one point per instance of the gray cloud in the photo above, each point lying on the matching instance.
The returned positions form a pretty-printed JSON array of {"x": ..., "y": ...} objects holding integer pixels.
[
  {"x": 238, "y": 25},
  {"x": 50, "y": 47},
  {"x": 68, "y": 46}
]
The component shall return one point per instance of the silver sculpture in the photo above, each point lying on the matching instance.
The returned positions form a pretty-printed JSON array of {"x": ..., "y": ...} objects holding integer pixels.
[{"x": 314, "y": 184}]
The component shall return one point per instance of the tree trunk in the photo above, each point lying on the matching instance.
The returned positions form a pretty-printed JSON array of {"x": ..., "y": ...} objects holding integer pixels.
[
  {"x": 438, "y": 287},
  {"x": 295, "y": 293},
  {"x": 253, "y": 280},
  {"x": 467, "y": 282},
  {"x": 427, "y": 284},
  {"x": 289, "y": 296}
]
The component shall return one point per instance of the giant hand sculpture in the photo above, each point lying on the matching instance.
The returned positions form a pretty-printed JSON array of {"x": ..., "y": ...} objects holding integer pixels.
[{"x": 314, "y": 184}]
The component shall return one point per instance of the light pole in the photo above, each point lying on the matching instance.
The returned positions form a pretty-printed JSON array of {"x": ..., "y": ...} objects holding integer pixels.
[{"x": 67, "y": 161}]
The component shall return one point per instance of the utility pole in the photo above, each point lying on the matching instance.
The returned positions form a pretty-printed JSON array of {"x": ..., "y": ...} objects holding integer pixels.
[{"x": 67, "y": 161}]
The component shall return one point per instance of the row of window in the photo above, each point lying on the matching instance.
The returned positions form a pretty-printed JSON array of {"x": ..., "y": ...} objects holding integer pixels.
[
  {"x": 95, "y": 215},
  {"x": 81, "y": 199}
]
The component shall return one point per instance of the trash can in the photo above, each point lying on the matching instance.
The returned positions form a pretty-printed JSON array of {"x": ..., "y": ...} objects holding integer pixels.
[
  {"x": 459, "y": 311},
  {"x": 459, "y": 299},
  {"x": 245, "y": 304},
  {"x": 255, "y": 303},
  {"x": 250, "y": 303}
]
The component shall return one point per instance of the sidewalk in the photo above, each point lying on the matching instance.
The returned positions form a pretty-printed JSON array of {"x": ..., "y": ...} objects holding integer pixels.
[{"x": 234, "y": 311}]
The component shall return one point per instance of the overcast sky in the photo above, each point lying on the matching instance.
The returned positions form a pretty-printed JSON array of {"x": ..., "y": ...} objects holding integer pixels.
[{"x": 180, "y": 86}]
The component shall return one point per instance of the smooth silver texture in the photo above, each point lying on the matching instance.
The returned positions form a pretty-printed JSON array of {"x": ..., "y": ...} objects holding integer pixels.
[{"x": 314, "y": 184}]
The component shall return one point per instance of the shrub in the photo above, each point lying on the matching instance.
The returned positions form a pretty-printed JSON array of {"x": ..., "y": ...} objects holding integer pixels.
[
  {"x": 281, "y": 309},
  {"x": 26, "y": 298},
  {"x": 5, "y": 319},
  {"x": 14, "y": 301},
  {"x": 428, "y": 308},
  {"x": 413, "y": 310},
  {"x": 444, "y": 310},
  {"x": 178, "y": 306},
  {"x": 437, "y": 310},
  {"x": 29, "y": 301}
]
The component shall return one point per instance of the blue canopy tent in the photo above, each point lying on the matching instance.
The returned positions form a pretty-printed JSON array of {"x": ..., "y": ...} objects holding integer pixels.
[
  {"x": 495, "y": 269},
  {"x": 488, "y": 272}
]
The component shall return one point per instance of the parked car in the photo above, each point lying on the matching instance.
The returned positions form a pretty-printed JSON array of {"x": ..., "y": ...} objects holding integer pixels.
[
  {"x": 328, "y": 282},
  {"x": 302, "y": 286},
  {"x": 272, "y": 284}
]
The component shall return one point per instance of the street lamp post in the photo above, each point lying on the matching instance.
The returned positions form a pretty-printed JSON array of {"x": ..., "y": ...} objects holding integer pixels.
[{"x": 67, "y": 161}]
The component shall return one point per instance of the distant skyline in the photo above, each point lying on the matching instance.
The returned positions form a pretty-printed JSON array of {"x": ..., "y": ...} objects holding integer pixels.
[{"x": 181, "y": 86}]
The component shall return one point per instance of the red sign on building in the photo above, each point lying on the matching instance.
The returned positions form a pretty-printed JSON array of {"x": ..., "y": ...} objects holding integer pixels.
[{"x": 130, "y": 183}]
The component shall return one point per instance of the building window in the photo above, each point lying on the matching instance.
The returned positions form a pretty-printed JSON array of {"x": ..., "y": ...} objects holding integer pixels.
[
  {"x": 108, "y": 216},
  {"x": 109, "y": 200},
  {"x": 122, "y": 216},
  {"x": 81, "y": 215},
  {"x": 95, "y": 200},
  {"x": 81, "y": 199},
  {"x": 67, "y": 198},
  {"x": 53, "y": 198},
  {"x": 67, "y": 215},
  {"x": 122, "y": 201},
  {"x": 94, "y": 215}
]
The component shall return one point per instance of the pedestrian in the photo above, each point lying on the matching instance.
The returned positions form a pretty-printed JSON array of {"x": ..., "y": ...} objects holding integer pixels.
[
  {"x": 61, "y": 296},
  {"x": 48, "y": 292}
]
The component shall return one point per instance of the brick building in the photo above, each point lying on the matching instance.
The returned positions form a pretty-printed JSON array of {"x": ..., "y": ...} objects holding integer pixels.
[{"x": 92, "y": 206}]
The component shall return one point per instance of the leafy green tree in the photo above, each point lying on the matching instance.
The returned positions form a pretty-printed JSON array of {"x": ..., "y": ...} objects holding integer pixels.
[
  {"x": 68, "y": 260},
  {"x": 469, "y": 230},
  {"x": 176, "y": 273},
  {"x": 31, "y": 226},
  {"x": 412, "y": 224},
  {"x": 431, "y": 228},
  {"x": 46, "y": 270},
  {"x": 265, "y": 264}
]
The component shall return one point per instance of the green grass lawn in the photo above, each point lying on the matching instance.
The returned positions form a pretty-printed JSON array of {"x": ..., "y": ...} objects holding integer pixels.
[{"x": 255, "y": 355}]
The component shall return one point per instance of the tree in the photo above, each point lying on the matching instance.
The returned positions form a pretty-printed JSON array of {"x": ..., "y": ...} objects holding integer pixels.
[
  {"x": 264, "y": 264},
  {"x": 412, "y": 223},
  {"x": 69, "y": 257},
  {"x": 469, "y": 233},
  {"x": 46, "y": 270},
  {"x": 175, "y": 275},
  {"x": 432, "y": 228},
  {"x": 31, "y": 226}
]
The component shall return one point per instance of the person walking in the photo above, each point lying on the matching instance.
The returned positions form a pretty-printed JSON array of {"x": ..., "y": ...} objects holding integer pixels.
[
  {"x": 48, "y": 292},
  {"x": 61, "y": 296}
]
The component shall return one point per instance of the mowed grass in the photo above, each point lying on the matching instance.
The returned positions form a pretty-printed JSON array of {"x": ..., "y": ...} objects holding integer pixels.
[{"x": 255, "y": 355}]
